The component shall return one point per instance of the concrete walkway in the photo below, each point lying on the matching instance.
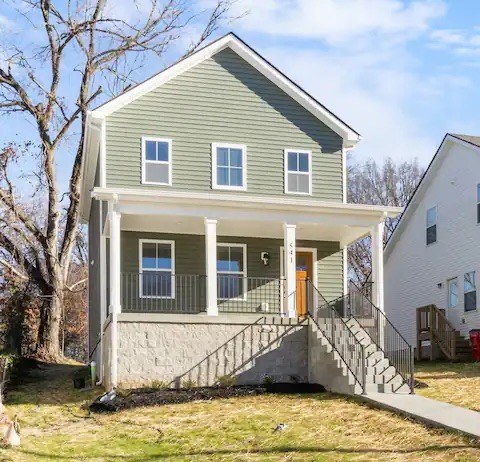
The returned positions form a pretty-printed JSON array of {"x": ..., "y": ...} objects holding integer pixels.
[{"x": 429, "y": 411}]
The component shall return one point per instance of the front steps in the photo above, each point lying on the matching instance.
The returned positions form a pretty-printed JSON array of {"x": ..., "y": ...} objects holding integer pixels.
[{"x": 327, "y": 367}]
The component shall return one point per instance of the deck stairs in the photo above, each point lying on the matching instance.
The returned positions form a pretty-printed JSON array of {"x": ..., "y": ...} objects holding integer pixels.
[{"x": 434, "y": 327}]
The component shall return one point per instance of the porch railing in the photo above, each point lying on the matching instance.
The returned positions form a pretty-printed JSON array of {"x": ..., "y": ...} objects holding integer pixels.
[
  {"x": 381, "y": 331},
  {"x": 237, "y": 294},
  {"x": 162, "y": 292},
  {"x": 335, "y": 329}
]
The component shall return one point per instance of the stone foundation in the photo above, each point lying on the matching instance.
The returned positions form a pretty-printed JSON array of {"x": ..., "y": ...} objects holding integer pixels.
[{"x": 199, "y": 349}]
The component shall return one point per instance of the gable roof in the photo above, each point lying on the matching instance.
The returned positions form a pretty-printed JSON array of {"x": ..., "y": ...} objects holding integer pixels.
[
  {"x": 95, "y": 124},
  {"x": 449, "y": 139},
  {"x": 475, "y": 140},
  {"x": 233, "y": 42}
]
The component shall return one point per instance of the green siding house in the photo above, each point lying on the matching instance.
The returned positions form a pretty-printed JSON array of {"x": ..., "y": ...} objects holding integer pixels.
[{"x": 216, "y": 201}]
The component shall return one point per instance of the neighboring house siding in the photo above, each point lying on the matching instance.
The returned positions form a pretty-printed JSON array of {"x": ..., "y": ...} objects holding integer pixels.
[
  {"x": 94, "y": 294},
  {"x": 223, "y": 99},
  {"x": 413, "y": 270},
  {"x": 190, "y": 259}
]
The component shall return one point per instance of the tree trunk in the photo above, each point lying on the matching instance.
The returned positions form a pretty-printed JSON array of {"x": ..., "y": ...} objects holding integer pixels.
[{"x": 48, "y": 342}]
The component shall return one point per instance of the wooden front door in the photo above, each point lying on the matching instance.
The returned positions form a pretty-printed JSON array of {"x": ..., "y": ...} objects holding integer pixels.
[{"x": 304, "y": 272}]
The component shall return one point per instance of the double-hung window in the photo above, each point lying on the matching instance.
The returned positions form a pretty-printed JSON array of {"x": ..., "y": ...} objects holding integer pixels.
[
  {"x": 431, "y": 225},
  {"x": 452, "y": 292},
  {"x": 229, "y": 166},
  {"x": 231, "y": 271},
  {"x": 156, "y": 161},
  {"x": 298, "y": 171},
  {"x": 469, "y": 292},
  {"x": 478, "y": 203},
  {"x": 157, "y": 269}
]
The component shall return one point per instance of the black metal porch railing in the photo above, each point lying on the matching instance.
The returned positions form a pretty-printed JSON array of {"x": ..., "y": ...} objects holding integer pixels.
[
  {"x": 162, "y": 292},
  {"x": 381, "y": 331},
  {"x": 335, "y": 329},
  {"x": 237, "y": 294}
]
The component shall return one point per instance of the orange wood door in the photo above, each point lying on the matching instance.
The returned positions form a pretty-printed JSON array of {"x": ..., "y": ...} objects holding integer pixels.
[
  {"x": 304, "y": 272},
  {"x": 301, "y": 293}
]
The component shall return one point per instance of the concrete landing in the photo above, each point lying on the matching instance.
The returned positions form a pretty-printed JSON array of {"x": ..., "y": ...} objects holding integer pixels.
[{"x": 429, "y": 411}]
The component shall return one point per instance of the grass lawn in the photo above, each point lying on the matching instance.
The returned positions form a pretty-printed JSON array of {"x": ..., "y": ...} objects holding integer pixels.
[
  {"x": 320, "y": 427},
  {"x": 455, "y": 383}
]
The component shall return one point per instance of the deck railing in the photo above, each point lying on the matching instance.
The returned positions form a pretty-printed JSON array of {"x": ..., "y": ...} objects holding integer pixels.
[
  {"x": 381, "y": 331},
  {"x": 433, "y": 321},
  {"x": 162, "y": 292},
  {"x": 329, "y": 320},
  {"x": 237, "y": 294}
]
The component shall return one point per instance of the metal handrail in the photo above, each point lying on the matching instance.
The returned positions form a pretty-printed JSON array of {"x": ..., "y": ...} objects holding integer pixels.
[
  {"x": 348, "y": 347},
  {"x": 383, "y": 334}
]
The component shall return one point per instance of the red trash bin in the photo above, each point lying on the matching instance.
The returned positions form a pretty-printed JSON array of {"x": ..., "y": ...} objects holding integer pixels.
[{"x": 475, "y": 342}]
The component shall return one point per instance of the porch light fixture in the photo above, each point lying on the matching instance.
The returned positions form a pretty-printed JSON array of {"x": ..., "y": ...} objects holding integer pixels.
[{"x": 265, "y": 257}]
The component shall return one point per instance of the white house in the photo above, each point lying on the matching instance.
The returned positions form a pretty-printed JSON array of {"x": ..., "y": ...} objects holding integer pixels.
[{"x": 433, "y": 257}]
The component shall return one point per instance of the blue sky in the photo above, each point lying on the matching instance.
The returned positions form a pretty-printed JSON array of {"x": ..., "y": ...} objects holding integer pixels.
[{"x": 402, "y": 73}]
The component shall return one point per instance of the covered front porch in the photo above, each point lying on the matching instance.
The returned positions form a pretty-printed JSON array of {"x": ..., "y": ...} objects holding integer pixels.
[{"x": 167, "y": 252}]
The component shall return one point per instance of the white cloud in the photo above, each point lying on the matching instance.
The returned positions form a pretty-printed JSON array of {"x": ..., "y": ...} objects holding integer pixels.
[
  {"x": 339, "y": 21},
  {"x": 355, "y": 57},
  {"x": 458, "y": 41}
]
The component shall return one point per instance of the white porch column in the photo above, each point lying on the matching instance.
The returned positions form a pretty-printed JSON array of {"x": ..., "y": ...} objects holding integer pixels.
[
  {"x": 211, "y": 265},
  {"x": 290, "y": 263},
  {"x": 377, "y": 277},
  {"x": 115, "y": 306},
  {"x": 377, "y": 264}
]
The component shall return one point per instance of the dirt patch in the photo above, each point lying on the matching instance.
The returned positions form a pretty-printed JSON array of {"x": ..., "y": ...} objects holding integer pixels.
[{"x": 140, "y": 397}]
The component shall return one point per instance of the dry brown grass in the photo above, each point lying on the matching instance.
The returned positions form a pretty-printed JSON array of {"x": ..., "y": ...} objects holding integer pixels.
[
  {"x": 320, "y": 427},
  {"x": 455, "y": 383}
]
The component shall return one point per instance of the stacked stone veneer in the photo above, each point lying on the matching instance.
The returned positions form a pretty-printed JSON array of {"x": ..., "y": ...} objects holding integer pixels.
[{"x": 200, "y": 349}]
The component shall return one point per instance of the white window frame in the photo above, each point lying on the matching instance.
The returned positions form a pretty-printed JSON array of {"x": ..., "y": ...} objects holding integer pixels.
[
  {"x": 286, "y": 171},
  {"x": 215, "y": 184},
  {"x": 142, "y": 269},
  {"x": 478, "y": 202},
  {"x": 435, "y": 224},
  {"x": 145, "y": 161},
  {"x": 449, "y": 282},
  {"x": 243, "y": 273},
  {"x": 475, "y": 290}
]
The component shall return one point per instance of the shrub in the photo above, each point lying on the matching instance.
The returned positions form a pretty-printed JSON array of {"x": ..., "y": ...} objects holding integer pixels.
[
  {"x": 188, "y": 384},
  {"x": 159, "y": 384},
  {"x": 268, "y": 380},
  {"x": 226, "y": 381}
]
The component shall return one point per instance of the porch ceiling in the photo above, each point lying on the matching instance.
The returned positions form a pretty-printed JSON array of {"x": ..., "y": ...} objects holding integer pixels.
[
  {"x": 245, "y": 228},
  {"x": 247, "y": 216}
]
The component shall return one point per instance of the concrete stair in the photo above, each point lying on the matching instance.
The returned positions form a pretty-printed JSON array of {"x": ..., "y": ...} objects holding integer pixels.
[{"x": 327, "y": 366}]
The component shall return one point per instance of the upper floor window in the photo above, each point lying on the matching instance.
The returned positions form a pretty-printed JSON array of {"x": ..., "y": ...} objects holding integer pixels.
[
  {"x": 229, "y": 166},
  {"x": 431, "y": 225},
  {"x": 156, "y": 161},
  {"x": 469, "y": 292},
  {"x": 157, "y": 268},
  {"x": 298, "y": 172},
  {"x": 231, "y": 271},
  {"x": 478, "y": 203}
]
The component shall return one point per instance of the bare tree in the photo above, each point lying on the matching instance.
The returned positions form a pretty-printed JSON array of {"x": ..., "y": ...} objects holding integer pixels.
[
  {"x": 388, "y": 184},
  {"x": 80, "y": 46}
]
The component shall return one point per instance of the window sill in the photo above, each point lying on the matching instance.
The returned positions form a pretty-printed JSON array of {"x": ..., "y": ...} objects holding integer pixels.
[
  {"x": 298, "y": 193},
  {"x": 229, "y": 188},
  {"x": 151, "y": 183}
]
